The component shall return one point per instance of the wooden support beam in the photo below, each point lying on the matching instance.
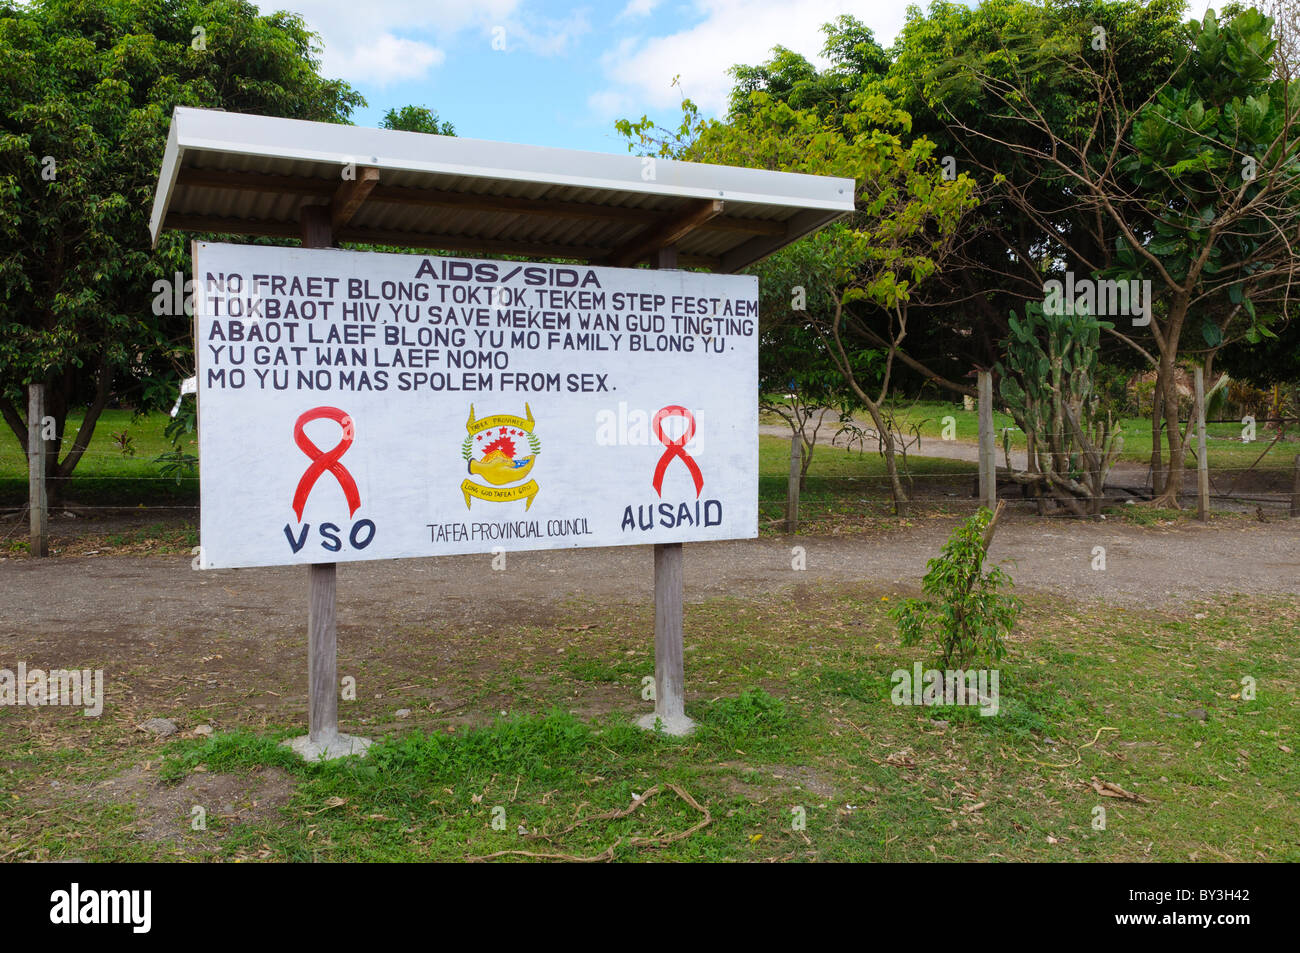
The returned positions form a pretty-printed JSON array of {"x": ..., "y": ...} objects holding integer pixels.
[
  {"x": 466, "y": 243},
  {"x": 349, "y": 196},
  {"x": 314, "y": 221},
  {"x": 255, "y": 182},
  {"x": 668, "y": 232},
  {"x": 512, "y": 205},
  {"x": 437, "y": 198},
  {"x": 515, "y": 205},
  {"x": 699, "y": 261},
  {"x": 322, "y": 653},
  {"x": 751, "y": 226},
  {"x": 401, "y": 239},
  {"x": 323, "y": 740},
  {"x": 762, "y": 246},
  {"x": 670, "y": 667},
  {"x": 232, "y": 226},
  {"x": 322, "y": 578}
]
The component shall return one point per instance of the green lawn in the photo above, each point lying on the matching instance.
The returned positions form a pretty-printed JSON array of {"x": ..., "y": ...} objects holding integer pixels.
[
  {"x": 109, "y": 476},
  {"x": 839, "y": 483},
  {"x": 1226, "y": 448},
  {"x": 107, "y": 473},
  {"x": 795, "y": 719},
  {"x": 847, "y": 483}
]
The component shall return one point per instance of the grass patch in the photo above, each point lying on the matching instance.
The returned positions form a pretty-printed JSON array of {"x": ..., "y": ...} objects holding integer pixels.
[
  {"x": 793, "y": 707},
  {"x": 850, "y": 484},
  {"x": 117, "y": 468},
  {"x": 1226, "y": 449},
  {"x": 1148, "y": 516}
]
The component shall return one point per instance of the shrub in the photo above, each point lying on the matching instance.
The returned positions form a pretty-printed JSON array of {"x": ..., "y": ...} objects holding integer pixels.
[{"x": 966, "y": 614}]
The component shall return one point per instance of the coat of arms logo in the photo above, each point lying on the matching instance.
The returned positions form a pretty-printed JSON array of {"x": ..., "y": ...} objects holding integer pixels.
[{"x": 494, "y": 451}]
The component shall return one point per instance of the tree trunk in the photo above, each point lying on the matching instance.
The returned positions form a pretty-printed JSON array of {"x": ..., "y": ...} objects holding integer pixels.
[
  {"x": 1173, "y": 482},
  {"x": 891, "y": 465},
  {"x": 1157, "y": 466}
]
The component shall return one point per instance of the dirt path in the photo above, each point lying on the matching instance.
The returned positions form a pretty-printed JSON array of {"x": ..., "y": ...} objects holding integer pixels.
[
  {"x": 105, "y": 598},
  {"x": 451, "y": 635}
]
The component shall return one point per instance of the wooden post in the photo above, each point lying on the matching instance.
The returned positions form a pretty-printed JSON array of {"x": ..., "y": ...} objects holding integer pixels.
[
  {"x": 670, "y": 669},
  {"x": 988, "y": 455},
  {"x": 323, "y": 739},
  {"x": 792, "y": 490},
  {"x": 36, "y": 497},
  {"x": 322, "y": 578},
  {"x": 1295, "y": 490},
  {"x": 317, "y": 231},
  {"x": 322, "y": 654},
  {"x": 1203, "y": 456}
]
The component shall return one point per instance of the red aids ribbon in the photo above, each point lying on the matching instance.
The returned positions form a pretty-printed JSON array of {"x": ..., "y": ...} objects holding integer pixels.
[
  {"x": 676, "y": 447},
  {"x": 325, "y": 461}
]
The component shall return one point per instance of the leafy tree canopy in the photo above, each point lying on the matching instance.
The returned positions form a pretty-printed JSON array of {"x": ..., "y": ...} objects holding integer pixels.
[
  {"x": 417, "y": 119},
  {"x": 87, "y": 89}
]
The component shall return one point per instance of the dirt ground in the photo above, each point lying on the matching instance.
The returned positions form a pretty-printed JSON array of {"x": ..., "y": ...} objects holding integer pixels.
[
  {"x": 157, "y": 614},
  {"x": 1161, "y": 562},
  {"x": 444, "y": 642}
]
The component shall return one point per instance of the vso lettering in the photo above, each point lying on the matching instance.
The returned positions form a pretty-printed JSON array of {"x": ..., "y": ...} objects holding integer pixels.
[{"x": 332, "y": 540}]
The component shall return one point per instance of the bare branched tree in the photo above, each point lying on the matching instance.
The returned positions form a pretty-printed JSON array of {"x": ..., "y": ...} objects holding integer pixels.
[{"x": 1196, "y": 195}]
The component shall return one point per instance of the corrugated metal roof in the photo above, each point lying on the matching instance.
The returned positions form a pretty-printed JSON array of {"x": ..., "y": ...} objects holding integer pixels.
[{"x": 236, "y": 173}]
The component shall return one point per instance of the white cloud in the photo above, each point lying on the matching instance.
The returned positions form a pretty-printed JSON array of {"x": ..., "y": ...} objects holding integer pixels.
[
  {"x": 610, "y": 102},
  {"x": 548, "y": 37},
  {"x": 638, "y": 8},
  {"x": 728, "y": 32},
  {"x": 383, "y": 41},
  {"x": 390, "y": 59}
]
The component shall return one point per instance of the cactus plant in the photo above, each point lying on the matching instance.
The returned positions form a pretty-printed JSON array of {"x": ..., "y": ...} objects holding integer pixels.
[{"x": 1046, "y": 383}]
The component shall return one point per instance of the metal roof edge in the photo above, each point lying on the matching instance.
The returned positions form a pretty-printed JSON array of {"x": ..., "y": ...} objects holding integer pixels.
[
  {"x": 253, "y": 135},
  {"x": 166, "y": 182}
]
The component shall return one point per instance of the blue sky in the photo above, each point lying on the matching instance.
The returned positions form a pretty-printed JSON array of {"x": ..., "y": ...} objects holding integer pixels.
[{"x": 566, "y": 71}]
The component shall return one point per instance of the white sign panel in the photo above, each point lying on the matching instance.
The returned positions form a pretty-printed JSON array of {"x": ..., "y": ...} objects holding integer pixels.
[{"x": 355, "y": 405}]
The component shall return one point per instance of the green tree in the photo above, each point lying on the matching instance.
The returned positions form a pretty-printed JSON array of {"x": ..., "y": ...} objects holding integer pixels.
[
  {"x": 1028, "y": 219},
  {"x": 855, "y": 60},
  {"x": 86, "y": 97},
  {"x": 869, "y": 267},
  {"x": 798, "y": 379},
  {"x": 867, "y": 270},
  {"x": 1196, "y": 187},
  {"x": 417, "y": 119}
]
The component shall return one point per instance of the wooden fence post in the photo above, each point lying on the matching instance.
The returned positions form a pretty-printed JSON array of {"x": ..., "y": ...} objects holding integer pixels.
[
  {"x": 1295, "y": 490},
  {"x": 670, "y": 670},
  {"x": 988, "y": 454},
  {"x": 792, "y": 489},
  {"x": 36, "y": 496},
  {"x": 1203, "y": 456}
]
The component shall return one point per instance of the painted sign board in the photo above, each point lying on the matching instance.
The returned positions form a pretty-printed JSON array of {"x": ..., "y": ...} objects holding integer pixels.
[{"x": 357, "y": 405}]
